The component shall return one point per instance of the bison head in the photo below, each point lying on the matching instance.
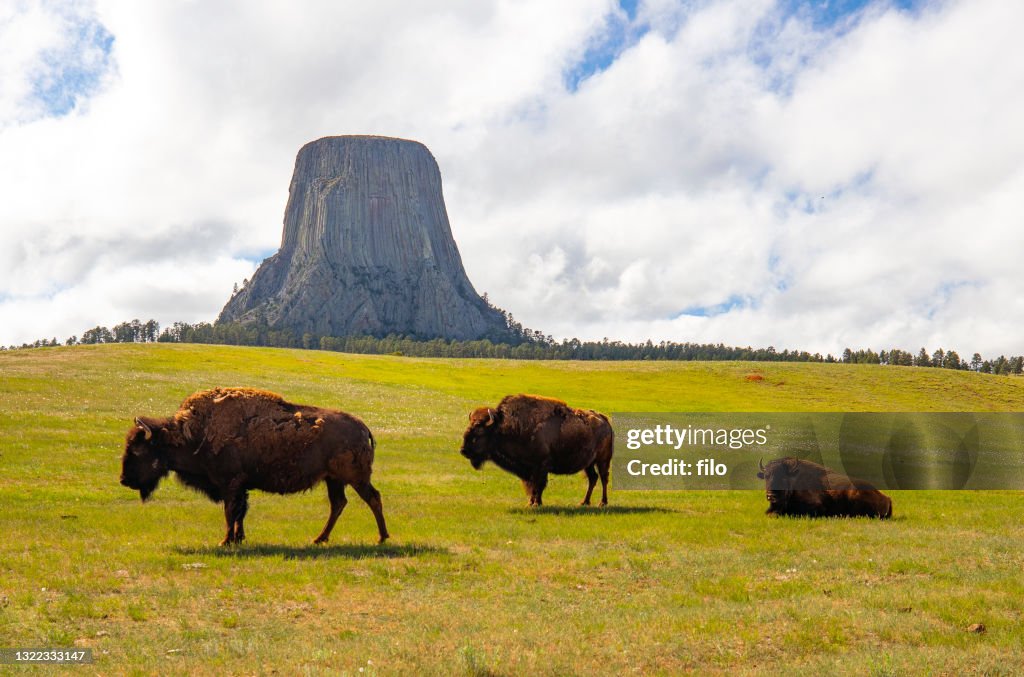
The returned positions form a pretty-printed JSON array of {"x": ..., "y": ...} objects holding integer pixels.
[
  {"x": 144, "y": 462},
  {"x": 784, "y": 477},
  {"x": 477, "y": 440},
  {"x": 779, "y": 479}
]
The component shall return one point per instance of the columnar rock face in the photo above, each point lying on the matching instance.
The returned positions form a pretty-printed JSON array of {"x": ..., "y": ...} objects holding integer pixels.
[{"x": 367, "y": 249}]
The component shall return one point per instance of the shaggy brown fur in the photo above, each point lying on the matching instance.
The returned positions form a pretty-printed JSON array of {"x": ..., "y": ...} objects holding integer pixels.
[
  {"x": 531, "y": 436},
  {"x": 226, "y": 441},
  {"x": 797, "y": 487}
]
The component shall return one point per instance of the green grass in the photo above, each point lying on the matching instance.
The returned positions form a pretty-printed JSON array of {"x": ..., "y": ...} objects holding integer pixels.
[{"x": 472, "y": 581}]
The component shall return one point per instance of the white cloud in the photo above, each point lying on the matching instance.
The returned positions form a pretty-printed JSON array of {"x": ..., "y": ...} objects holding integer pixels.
[
  {"x": 806, "y": 187},
  {"x": 27, "y": 31}
]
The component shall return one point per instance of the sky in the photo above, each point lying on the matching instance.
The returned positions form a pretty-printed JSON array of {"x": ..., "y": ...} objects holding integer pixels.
[{"x": 813, "y": 175}]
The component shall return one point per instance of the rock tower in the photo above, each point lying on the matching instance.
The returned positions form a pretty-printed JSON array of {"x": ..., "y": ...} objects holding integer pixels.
[{"x": 367, "y": 249}]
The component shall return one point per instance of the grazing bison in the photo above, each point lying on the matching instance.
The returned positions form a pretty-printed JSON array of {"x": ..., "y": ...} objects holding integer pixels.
[
  {"x": 226, "y": 441},
  {"x": 532, "y": 436},
  {"x": 798, "y": 487}
]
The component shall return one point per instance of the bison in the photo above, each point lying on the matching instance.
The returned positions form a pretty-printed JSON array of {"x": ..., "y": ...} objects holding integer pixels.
[
  {"x": 531, "y": 436},
  {"x": 226, "y": 441},
  {"x": 798, "y": 487}
]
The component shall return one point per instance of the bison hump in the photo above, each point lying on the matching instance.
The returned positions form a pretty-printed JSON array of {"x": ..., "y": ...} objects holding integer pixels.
[
  {"x": 525, "y": 402},
  {"x": 213, "y": 396},
  {"x": 523, "y": 413},
  {"x": 220, "y": 418}
]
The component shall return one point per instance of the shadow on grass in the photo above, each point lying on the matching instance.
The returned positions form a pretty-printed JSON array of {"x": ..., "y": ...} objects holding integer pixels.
[
  {"x": 581, "y": 510},
  {"x": 346, "y": 551}
]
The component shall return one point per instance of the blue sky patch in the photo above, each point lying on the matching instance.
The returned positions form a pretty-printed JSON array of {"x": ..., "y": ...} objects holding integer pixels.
[
  {"x": 620, "y": 32},
  {"x": 782, "y": 279},
  {"x": 828, "y": 14},
  {"x": 73, "y": 73},
  {"x": 257, "y": 256},
  {"x": 829, "y": 18},
  {"x": 734, "y": 302},
  {"x": 943, "y": 294},
  {"x": 629, "y": 7}
]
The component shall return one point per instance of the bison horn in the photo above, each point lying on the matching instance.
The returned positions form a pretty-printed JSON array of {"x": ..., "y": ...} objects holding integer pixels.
[
  {"x": 490, "y": 416},
  {"x": 145, "y": 428},
  {"x": 760, "y": 464}
]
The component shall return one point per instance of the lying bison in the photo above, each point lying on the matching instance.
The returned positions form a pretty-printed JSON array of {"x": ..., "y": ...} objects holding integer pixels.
[
  {"x": 532, "y": 436},
  {"x": 798, "y": 487},
  {"x": 226, "y": 441}
]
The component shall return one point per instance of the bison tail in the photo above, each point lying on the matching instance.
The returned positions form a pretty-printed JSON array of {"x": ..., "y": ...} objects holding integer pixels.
[{"x": 373, "y": 442}]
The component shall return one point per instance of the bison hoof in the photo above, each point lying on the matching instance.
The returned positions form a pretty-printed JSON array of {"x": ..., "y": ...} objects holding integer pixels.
[
  {"x": 604, "y": 504},
  {"x": 383, "y": 538},
  {"x": 319, "y": 541}
]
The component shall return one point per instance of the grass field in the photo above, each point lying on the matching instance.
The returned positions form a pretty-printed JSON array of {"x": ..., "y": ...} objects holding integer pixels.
[{"x": 472, "y": 581}]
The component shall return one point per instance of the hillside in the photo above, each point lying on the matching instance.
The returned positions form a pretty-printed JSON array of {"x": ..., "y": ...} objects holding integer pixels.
[{"x": 474, "y": 582}]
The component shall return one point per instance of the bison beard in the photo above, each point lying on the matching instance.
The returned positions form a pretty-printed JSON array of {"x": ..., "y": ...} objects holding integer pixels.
[
  {"x": 532, "y": 436},
  {"x": 226, "y": 441},
  {"x": 797, "y": 487}
]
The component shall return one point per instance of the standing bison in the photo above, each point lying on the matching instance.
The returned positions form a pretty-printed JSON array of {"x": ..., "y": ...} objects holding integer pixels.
[
  {"x": 798, "y": 487},
  {"x": 532, "y": 436},
  {"x": 226, "y": 441}
]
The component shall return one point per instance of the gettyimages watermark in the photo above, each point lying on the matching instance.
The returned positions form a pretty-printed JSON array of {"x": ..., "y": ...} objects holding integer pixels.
[{"x": 890, "y": 450}]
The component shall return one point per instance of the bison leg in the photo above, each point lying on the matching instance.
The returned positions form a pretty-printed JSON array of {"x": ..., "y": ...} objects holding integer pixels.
[
  {"x": 603, "y": 467},
  {"x": 241, "y": 507},
  {"x": 528, "y": 488},
  {"x": 235, "y": 504},
  {"x": 538, "y": 483},
  {"x": 591, "y": 471},
  {"x": 229, "y": 517},
  {"x": 336, "y": 494},
  {"x": 368, "y": 493}
]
